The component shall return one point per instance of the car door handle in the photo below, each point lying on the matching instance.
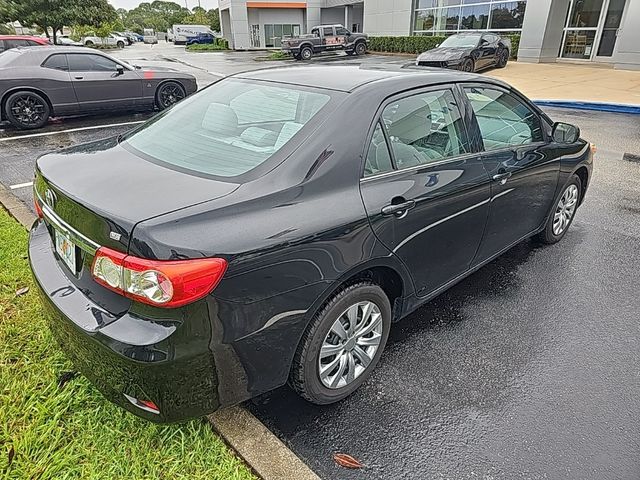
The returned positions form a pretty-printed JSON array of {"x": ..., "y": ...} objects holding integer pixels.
[
  {"x": 400, "y": 210},
  {"x": 502, "y": 177},
  {"x": 78, "y": 78}
]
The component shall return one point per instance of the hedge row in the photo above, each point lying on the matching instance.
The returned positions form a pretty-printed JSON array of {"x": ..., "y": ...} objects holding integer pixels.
[
  {"x": 218, "y": 44},
  {"x": 420, "y": 43}
]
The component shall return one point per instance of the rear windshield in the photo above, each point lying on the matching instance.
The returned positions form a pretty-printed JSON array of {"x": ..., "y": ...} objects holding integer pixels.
[{"x": 229, "y": 128}]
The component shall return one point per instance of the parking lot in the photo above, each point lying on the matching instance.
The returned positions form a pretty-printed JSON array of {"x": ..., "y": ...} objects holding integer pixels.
[{"x": 530, "y": 368}]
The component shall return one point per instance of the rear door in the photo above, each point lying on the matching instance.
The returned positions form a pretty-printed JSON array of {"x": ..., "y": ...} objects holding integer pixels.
[
  {"x": 57, "y": 83},
  {"x": 522, "y": 164},
  {"x": 99, "y": 86},
  {"x": 424, "y": 187}
]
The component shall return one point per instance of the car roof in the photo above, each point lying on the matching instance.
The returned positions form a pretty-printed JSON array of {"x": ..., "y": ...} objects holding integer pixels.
[
  {"x": 21, "y": 37},
  {"x": 348, "y": 78}
]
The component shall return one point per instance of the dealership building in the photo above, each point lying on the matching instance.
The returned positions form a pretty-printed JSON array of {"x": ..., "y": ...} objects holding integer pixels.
[{"x": 604, "y": 31}]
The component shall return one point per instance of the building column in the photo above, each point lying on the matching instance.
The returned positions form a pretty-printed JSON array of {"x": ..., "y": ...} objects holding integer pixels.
[
  {"x": 542, "y": 30},
  {"x": 627, "y": 50}
]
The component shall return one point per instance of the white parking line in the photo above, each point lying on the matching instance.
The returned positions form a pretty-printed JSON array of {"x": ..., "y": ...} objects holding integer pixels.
[
  {"x": 20, "y": 185},
  {"x": 79, "y": 129}
]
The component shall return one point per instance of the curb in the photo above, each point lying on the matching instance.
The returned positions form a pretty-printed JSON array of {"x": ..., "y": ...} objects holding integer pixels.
[
  {"x": 262, "y": 451},
  {"x": 594, "y": 106}
]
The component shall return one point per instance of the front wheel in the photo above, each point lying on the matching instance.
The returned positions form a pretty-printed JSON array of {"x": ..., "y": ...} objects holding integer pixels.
[
  {"x": 88, "y": 43},
  {"x": 468, "y": 65},
  {"x": 306, "y": 53},
  {"x": 120, "y": 44},
  {"x": 27, "y": 110},
  {"x": 361, "y": 48},
  {"x": 564, "y": 210},
  {"x": 342, "y": 344},
  {"x": 169, "y": 93},
  {"x": 503, "y": 59}
]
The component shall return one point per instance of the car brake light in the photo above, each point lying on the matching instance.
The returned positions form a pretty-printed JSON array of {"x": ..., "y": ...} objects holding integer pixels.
[
  {"x": 37, "y": 207},
  {"x": 163, "y": 283}
]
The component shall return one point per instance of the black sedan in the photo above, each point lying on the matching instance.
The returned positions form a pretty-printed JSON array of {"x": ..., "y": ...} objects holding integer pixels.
[
  {"x": 272, "y": 227},
  {"x": 40, "y": 82},
  {"x": 469, "y": 52}
]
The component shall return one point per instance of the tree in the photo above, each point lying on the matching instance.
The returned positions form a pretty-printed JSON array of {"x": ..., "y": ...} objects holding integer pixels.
[
  {"x": 214, "y": 19},
  {"x": 55, "y": 14}
]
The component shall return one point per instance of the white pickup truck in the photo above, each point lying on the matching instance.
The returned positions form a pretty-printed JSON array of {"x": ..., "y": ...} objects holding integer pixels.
[{"x": 111, "y": 39}]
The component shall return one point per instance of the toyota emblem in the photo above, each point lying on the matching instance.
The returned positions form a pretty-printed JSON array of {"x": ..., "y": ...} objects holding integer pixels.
[{"x": 50, "y": 197}]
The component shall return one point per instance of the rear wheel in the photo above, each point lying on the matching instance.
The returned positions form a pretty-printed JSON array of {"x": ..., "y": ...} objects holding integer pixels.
[
  {"x": 361, "y": 48},
  {"x": 342, "y": 344},
  {"x": 88, "y": 43},
  {"x": 120, "y": 44},
  {"x": 27, "y": 110},
  {"x": 468, "y": 65},
  {"x": 564, "y": 210},
  {"x": 503, "y": 58},
  {"x": 306, "y": 53},
  {"x": 169, "y": 93}
]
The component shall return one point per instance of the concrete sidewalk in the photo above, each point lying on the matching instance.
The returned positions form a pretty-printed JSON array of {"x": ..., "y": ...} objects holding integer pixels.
[{"x": 565, "y": 81}]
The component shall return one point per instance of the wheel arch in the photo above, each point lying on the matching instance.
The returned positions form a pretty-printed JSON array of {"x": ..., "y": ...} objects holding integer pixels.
[
  {"x": 583, "y": 174},
  {"x": 13, "y": 90}
]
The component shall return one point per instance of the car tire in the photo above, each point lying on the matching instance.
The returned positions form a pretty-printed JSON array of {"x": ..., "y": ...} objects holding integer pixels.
[
  {"x": 27, "y": 110},
  {"x": 503, "y": 58},
  {"x": 306, "y": 53},
  {"x": 355, "y": 356},
  {"x": 361, "y": 48},
  {"x": 169, "y": 93},
  {"x": 468, "y": 65},
  {"x": 562, "y": 213},
  {"x": 88, "y": 43},
  {"x": 120, "y": 44}
]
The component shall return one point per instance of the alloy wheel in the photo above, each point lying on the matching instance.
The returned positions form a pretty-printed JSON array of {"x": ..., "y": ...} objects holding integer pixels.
[
  {"x": 350, "y": 345},
  {"x": 565, "y": 209},
  {"x": 28, "y": 110},
  {"x": 170, "y": 94},
  {"x": 467, "y": 66}
]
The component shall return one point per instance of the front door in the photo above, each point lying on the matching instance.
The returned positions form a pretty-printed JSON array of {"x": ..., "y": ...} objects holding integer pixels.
[
  {"x": 522, "y": 165},
  {"x": 609, "y": 31},
  {"x": 487, "y": 51},
  {"x": 425, "y": 192},
  {"x": 99, "y": 85}
]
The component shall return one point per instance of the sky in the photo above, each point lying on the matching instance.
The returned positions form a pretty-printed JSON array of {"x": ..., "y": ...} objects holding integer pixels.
[{"x": 129, "y": 4}]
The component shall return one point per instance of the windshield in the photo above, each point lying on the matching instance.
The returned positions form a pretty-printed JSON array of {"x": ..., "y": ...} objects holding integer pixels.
[
  {"x": 461, "y": 41},
  {"x": 229, "y": 128}
]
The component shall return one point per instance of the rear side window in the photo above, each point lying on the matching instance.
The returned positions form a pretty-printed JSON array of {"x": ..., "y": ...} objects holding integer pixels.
[
  {"x": 425, "y": 128},
  {"x": 504, "y": 120},
  {"x": 378, "y": 158},
  {"x": 83, "y": 62},
  {"x": 57, "y": 62},
  {"x": 229, "y": 129},
  {"x": 328, "y": 31},
  {"x": 13, "y": 43}
]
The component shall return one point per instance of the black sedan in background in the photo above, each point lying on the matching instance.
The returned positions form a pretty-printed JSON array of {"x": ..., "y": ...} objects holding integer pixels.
[
  {"x": 469, "y": 52},
  {"x": 40, "y": 82},
  {"x": 273, "y": 227}
]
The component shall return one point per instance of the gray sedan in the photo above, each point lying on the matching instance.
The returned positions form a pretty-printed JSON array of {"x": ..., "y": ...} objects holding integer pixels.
[{"x": 39, "y": 82}]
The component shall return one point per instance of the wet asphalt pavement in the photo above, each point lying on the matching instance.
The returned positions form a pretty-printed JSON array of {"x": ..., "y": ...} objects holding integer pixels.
[{"x": 530, "y": 368}]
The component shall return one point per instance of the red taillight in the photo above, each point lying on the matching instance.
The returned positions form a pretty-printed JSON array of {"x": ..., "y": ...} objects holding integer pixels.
[
  {"x": 163, "y": 283},
  {"x": 37, "y": 207}
]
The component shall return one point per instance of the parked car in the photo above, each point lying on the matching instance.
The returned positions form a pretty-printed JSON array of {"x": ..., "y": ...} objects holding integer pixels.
[
  {"x": 130, "y": 40},
  {"x": 325, "y": 38},
  {"x": 273, "y": 227},
  {"x": 38, "y": 83},
  {"x": 67, "y": 41},
  {"x": 111, "y": 39},
  {"x": 201, "y": 38},
  {"x": 135, "y": 36},
  {"x": 12, "y": 41},
  {"x": 469, "y": 52},
  {"x": 150, "y": 36}
]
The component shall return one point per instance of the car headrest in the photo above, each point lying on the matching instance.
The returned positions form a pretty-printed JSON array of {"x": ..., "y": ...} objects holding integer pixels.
[
  {"x": 410, "y": 124},
  {"x": 220, "y": 119}
]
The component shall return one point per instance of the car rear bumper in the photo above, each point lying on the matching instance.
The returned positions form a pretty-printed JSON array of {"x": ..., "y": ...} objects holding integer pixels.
[{"x": 165, "y": 360}]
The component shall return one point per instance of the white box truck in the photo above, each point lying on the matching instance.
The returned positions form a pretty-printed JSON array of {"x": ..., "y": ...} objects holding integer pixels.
[{"x": 181, "y": 32}]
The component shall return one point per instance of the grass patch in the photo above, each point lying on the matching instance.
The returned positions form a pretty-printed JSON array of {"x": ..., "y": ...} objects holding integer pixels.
[
  {"x": 52, "y": 432},
  {"x": 279, "y": 55}
]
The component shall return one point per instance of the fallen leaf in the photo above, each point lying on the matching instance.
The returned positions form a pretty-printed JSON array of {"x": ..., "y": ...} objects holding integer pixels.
[
  {"x": 346, "y": 461},
  {"x": 22, "y": 291},
  {"x": 64, "y": 377},
  {"x": 12, "y": 452}
]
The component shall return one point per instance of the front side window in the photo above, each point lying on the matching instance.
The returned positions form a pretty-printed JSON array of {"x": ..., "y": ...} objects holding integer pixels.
[
  {"x": 504, "y": 120},
  {"x": 342, "y": 31},
  {"x": 425, "y": 128},
  {"x": 83, "y": 62},
  {"x": 14, "y": 43},
  {"x": 229, "y": 129}
]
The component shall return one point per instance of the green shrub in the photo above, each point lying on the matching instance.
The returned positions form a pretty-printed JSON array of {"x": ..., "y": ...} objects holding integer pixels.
[
  {"x": 206, "y": 47},
  {"x": 222, "y": 42},
  {"x": 418, "y": 43}
]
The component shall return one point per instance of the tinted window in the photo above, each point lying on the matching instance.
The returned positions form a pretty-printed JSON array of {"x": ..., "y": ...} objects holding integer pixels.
[
  {"x": 378, "y": 158},
  {"x": 425, "y": 128},
  {"x": 57, "y": 62},
  {"x": 83, "y": 62},
  {"x": 230, "y": 129},
  {"x": 342, "y": 31},
  {"x": 503, "y": 119},
  {"x": 31, "y": 43},
  {"x": 13, "y": 43},
  {"x": 328, "y": 31}
]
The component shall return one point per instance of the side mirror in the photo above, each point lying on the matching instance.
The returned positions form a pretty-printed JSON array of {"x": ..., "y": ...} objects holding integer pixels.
[
  {"x": 565, "y": 133},
  {"x": 120, "y": 69},
  {"x": 484, "y": 41}
]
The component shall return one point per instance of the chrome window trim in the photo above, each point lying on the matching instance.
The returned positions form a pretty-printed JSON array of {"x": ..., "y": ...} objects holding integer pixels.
[{"x": 57, "y": 223}]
